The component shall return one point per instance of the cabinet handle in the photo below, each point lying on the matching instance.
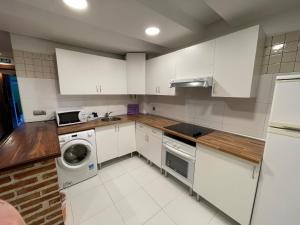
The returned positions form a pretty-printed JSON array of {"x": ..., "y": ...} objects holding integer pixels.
[
  {"x": 158, "y": 89},
  {"x": 115, "y": 128},
  {"x": 100, "y": 88},
  {"x": 118, "y": 128},
  {"x": 97, "y": 89},
  {"x": 253, "y": 172}
]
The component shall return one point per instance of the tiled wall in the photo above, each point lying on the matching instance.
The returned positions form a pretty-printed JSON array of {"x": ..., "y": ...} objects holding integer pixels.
[
  {"x": 33, "y": 191},
  {"x": 282, "y": 53},
  {"x": 242, "y": 116},
  {"x": 38, "y": 84}
]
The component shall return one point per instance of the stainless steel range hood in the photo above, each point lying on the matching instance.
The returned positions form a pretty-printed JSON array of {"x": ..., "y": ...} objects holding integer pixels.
[{"x": 193, "y": 82}]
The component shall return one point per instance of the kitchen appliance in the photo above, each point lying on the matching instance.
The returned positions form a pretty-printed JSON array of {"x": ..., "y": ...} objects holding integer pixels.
[
  {"x": 178, "y": 154},
  {"x": 78, "y": 160},
  {"x": 69, "y": 117},
  {"x": 278, "y": 196},
  {"x": 193, "y": 82},
  {"x": 133, "y": 109}
]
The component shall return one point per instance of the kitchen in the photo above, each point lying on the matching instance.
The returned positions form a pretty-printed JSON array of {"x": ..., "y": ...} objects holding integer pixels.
[{"x": 186, "y": 122}]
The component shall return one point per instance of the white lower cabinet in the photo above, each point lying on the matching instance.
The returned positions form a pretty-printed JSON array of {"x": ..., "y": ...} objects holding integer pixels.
[
  {"x": 149, "y": 143},
  {"x": 115, "y": 140},
  {"x": 227, "y": 182}
]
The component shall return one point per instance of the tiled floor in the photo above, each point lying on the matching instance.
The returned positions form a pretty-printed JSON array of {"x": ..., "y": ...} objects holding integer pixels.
[{"x": 130, "y": 192}]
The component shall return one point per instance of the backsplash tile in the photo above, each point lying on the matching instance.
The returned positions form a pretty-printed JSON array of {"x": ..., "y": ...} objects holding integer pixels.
[
  {"x": 29, "y": 64},
  {"x": 281, "y": 53}
]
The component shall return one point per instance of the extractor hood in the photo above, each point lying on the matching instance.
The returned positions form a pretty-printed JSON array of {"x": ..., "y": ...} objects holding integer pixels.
[{"x": 192, "y": 82}]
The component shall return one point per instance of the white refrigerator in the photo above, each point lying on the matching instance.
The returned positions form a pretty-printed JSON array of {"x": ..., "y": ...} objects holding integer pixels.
[{"x": 278, "y": 194}]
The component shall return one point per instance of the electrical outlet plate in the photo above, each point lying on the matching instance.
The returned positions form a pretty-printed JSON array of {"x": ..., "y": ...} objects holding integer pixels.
[{"x": 39, "y": 112}]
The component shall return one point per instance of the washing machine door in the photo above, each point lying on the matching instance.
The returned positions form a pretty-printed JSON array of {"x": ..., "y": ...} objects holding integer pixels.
[{"x": 75, "y": 154}]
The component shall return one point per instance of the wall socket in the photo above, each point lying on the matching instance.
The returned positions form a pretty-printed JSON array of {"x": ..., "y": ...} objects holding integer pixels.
[
  {"x": 153, "y": 108},
  {"x": 39, "y": 112}
]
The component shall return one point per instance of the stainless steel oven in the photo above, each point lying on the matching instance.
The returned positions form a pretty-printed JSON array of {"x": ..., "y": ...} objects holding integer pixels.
[{"x": 178, "y": 158}]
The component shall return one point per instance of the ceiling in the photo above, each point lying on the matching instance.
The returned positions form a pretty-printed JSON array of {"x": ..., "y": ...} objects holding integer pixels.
[{"x": 117, "y": 26}]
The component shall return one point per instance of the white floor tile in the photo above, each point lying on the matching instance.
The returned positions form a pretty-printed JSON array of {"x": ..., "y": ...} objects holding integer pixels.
[
  {"x": 110, "y": 172},
  {"x": 121, "y": 186},
  {"x": 185, "y": 210},
  {"x": 133, "y": 163},
  {"x": 90, "y": 203},
  {"x": 220, "y": 219},
  {"x": 137, "y": 208},
  {"x": 160, "y": 219},
  {"x": 109, "y": 216},
  {"x": 83, "y": 186},
  {"x": 145, "y": 175},
  {"x": 163, "y": 191}
]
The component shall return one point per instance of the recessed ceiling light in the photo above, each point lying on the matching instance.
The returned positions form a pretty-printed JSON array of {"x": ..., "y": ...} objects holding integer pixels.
[
  {"x": 76, "y": 4},
  {"x": 152, "y": 31}
]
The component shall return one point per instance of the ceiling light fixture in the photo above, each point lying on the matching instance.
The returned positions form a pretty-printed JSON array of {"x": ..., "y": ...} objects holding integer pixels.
[
  {"x": 152, "y": 31},
  {"x": 76, "y": 4}
]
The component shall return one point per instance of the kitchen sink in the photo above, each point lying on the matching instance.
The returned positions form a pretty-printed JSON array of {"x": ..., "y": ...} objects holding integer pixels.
[{"x": 110, "y": 119}]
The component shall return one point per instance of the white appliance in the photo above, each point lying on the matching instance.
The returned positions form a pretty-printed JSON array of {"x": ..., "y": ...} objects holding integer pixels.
[
  {"x": 78, "y": 159},
  {"x": 69, "y": 117},
  {"x": 278, "y": 196},
  {"x": 178, "y": 159}
]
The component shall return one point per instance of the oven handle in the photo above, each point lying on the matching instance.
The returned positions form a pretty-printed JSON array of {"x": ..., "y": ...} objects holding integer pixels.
[{"x": 184, "y": 155}]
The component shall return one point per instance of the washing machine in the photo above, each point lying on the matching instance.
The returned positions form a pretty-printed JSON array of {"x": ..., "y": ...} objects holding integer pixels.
[{"x": 78, "y": 160}]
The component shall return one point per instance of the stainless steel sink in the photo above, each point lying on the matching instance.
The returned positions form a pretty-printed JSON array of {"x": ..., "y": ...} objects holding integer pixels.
[{"x": 113, "y": 118}]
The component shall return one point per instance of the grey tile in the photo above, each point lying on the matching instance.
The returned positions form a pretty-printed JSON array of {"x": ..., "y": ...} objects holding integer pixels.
[
  {"x": 264, "y": 69},
  {"x": 287, "y": 67},
  {"x": 274, "y": 68},
  {"x": 276, "y": 49},
  {"x": 278, "y": 39},
  {"x": 298, "y": 56},
  {"x": 266, "y": 60},
  {"x": 292, "y": 36},
  {"x": 267, "y": 50},
  {"x": 291, "y": 46},
  {"x": 268, "y": 41},
  {"x": 289, "y": 57},
  {"x": 18, "y": 53},
  {"x": 297, "y": 67},
  {"x": 275, "y": 59}
]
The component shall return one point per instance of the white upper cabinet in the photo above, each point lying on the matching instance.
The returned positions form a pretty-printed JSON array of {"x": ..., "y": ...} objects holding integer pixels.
[
  {"x": 195, "y": 61},
  {"x": 159, "y": 72},
  {"x": 136, "y": 73},
  {"x": 238, "y": 58},
  {"x": 86, "y": 74}
]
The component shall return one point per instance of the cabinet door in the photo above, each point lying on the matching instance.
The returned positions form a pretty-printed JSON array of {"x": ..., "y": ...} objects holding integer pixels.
[
  {"x": 76, "y": 73},
  {"x": 195, "y": 61},
  {"x": 113, "y": 78},
  {"x": 235, "y": 62},
  {"x": 126, "y": 140},
  {"x": 159, "y": 72},
  {"x": 107, "y": 143},
  {"x": 154, "y": 146},
  {"x": 136, "y": 73},
  {"x": 140, "y": 135},
  {"x": 227, "y": 182}
]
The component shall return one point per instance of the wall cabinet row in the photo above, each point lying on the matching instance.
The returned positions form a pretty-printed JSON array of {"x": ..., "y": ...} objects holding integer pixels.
[
  {"x": 149, "y": 143},
  {"x": 115, "y": 140},
  {"x": 233, "y": 61}
]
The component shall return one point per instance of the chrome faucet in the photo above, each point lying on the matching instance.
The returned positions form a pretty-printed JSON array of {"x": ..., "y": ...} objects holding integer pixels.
[{"x": 107, "y": 115}]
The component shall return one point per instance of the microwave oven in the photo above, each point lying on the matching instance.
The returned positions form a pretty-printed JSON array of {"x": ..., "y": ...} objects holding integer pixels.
[{"x": 70, "y": 117}]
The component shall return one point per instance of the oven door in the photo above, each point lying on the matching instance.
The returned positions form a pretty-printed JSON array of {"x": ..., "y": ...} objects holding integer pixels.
[{"x": 179, "y": 164}]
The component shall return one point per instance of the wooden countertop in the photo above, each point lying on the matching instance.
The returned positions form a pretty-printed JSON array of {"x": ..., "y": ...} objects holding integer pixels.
[
  {"x": 30, "y": 143},
  {"x": 243, "y": 147}
]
